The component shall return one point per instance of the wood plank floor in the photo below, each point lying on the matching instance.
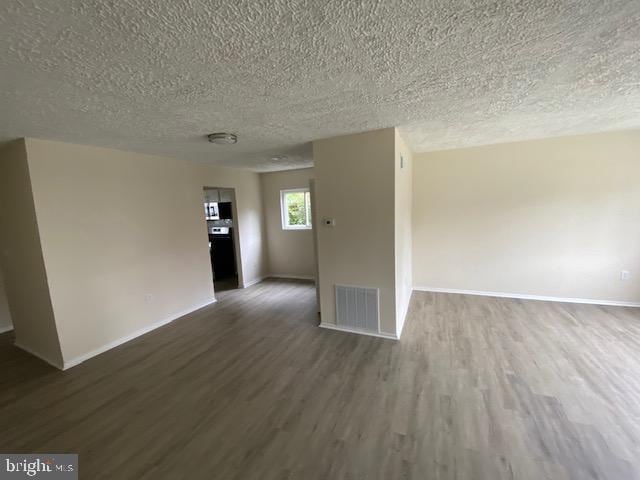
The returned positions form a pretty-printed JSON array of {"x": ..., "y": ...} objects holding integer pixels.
[{"x": 249, "y": 388}]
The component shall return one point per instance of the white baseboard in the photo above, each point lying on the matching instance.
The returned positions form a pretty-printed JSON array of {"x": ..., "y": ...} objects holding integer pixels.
[
  {"x": 523, "y": 296},
  {"x": 6, "y": 328},
  {"x": 293, "y": 277},
  {"x": 331, "y": 326},
  {"x": 86, "y": 356},
  {"x": 253, "y": 282},
  {"x": 39, "y": 355}
]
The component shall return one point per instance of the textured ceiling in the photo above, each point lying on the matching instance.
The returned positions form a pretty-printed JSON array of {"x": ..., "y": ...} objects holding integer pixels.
[{"x": 157, "y": 76}]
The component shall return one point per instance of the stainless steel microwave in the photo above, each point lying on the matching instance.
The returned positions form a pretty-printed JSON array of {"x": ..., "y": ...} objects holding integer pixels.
[{"x": 211, "y": 211}]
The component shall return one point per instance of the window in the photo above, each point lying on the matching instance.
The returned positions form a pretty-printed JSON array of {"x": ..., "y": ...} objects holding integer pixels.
[{"x": 296, "y": 209}]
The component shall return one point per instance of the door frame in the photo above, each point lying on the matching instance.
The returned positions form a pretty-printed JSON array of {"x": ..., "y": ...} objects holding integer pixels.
[
  {"x": 236, "y": 230},
  {"x": 315, "y": 227}
]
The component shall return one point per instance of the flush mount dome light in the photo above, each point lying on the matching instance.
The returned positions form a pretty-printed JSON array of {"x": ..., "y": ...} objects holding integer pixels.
[{"x": 222, "y": 138}]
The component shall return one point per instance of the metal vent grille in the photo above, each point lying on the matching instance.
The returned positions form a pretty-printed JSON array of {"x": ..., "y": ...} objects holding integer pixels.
[{"x": 357, "y": 308}]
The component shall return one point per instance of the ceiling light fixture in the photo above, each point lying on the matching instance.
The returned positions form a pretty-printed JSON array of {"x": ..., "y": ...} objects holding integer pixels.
[
  {"x": 222, "y": 138},
  {"x": 278, "y": 158}
]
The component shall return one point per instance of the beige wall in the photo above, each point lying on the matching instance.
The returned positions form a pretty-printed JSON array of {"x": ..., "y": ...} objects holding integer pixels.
[
  {"x": 22, "y": 262},
  {"x": 290, "y": 251},
  {"x": 403, "y": 227},
  {"x": 557, "y": 217},
  {"x": 354, "y": 177},
  {"x": 120, "y": 257}
]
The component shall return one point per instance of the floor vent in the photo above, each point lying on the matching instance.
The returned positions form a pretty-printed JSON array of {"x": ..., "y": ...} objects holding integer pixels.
[{"x": 357, "y": 308}]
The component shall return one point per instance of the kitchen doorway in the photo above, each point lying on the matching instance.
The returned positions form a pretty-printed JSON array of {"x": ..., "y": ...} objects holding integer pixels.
[{"x": 221, "y": 216}]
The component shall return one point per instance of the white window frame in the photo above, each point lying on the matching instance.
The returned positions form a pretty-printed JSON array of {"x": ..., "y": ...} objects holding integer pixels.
[{"x": 283, "y": 209}]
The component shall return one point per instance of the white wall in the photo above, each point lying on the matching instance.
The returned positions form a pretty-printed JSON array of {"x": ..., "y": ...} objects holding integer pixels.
[
  {"x": 291, "y": 252},
  {"x": 354, "y": 177},
  {"x": 403, "y": 226},
  {"x": 557, "y": 217},
  {"x": 23, "y": 267},
  {"x": 119, "y": 257}
]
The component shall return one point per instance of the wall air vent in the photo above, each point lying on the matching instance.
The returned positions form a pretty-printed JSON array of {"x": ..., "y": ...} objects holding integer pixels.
[{"x": 357, "y": 308}]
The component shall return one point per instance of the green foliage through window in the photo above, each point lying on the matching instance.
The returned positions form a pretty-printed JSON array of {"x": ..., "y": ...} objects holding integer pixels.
[{"x": 296, "y": 209}]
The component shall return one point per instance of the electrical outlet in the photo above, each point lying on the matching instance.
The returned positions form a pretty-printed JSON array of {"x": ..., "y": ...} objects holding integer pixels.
[
  {"x": 148, "y": 298},
  {"x": 625, "y": 275}
]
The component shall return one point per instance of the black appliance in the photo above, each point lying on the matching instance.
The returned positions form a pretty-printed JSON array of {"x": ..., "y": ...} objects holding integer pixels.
[
  {"x": 223, "y": 259},
  {"x": 225, "y": 211}
]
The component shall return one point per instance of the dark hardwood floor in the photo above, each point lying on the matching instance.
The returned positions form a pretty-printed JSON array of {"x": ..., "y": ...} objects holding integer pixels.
[{"x": 249, "y": 388}]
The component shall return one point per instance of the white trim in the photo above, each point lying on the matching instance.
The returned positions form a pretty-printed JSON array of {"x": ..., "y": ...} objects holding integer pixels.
[
  {"x": 253, "y": 282},
  {"x": 524, "y": 296},
  {"x": 293, "y": 277},
  {"x": 283, "y": 212},
  {"x": 86, "y": 356},
  {"x": 330, "y": 326},
  {"x": 36, "y": 354},
  {"x": 6, "y": 329},
  {"x": 297, "y": 227}
]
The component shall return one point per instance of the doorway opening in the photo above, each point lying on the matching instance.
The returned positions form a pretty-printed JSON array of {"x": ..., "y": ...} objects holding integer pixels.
[{"x": 222, "y": 229}]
